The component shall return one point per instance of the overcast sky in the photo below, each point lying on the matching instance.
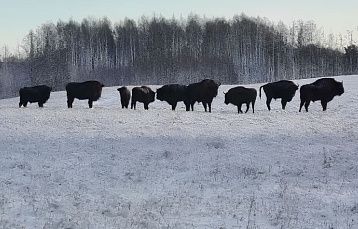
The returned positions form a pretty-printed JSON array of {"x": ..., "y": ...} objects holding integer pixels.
[{"x": 17, "y": 17}]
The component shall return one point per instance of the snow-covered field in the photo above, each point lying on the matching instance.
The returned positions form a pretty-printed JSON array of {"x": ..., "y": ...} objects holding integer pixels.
[{"x": 111, "y": 168}]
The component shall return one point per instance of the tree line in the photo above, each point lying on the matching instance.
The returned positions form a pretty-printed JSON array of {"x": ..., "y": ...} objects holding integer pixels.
[{"x": 158, "y": 50}]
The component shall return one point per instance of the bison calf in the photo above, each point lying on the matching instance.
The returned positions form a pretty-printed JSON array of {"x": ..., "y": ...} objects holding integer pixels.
[
  {"x": 283, "y": 89},
  {"x": 125, "y": 96},
  {"x": 172, "y": 94},
  {"x": 37, "y": 94},
  {"x": 240, "y": 95},
  {"x": 90, "y": 90},
  {"x": 142, "y": 94},
  {"x": 324, "y": 89}
]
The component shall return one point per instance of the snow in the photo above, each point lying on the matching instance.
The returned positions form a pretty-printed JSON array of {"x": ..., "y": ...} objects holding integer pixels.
[{"x": 112, "y": 168}]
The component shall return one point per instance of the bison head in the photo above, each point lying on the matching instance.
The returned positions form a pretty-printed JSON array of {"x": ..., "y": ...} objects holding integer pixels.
[
  {"x": 121, "y": 89},
  {"x": 212, "y": 87},
  {"x": 151, "y": 96},
  {"x": 160, "y": 95},
  {"x": 339, "y": 88},
  {"x": 227, "y": 100}
]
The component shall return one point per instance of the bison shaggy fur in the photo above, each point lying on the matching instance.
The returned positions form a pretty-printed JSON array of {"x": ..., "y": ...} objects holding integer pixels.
[
  {"x": 324, "y": 89},
  {"x": 90, "y": 90},
  {"x": 143, "y": 95},
  {"x": 125, "y": 96},
  {"x": 37, "y": 94},
  {"x": 241, "y": 95},
  {"x": 283, "y": 89},
  {"x": 172, "y": 94},
  {"x": 204, "y": 91}
]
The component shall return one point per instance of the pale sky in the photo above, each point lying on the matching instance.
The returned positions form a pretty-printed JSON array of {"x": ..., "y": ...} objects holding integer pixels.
[{"x": 18, "y": 17}]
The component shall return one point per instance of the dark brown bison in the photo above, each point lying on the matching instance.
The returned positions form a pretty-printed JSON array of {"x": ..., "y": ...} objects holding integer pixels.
[
  {"x": 239, "y": 95},
  {"x": 323, "y": 89},
  {"x": 125, "y": 96},
  {"x": 204, "y": 92},
  {"x": 283, "y": 89},
  {"x": 142, "y": 94},
  {"x": 90, "y": 90},
  {"x": 37, "y": 94},
  {"x": 172, "y": 94}
]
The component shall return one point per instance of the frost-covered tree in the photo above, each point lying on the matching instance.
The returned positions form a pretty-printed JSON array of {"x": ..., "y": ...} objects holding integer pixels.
[{"x": 158, "y": 50}]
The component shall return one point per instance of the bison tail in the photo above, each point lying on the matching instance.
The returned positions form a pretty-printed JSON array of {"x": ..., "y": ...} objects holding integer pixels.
[{"x": 260, "y": 92}]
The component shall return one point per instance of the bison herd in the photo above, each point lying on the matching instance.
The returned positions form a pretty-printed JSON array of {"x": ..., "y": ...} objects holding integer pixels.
[{"x": 204, "y": 92}]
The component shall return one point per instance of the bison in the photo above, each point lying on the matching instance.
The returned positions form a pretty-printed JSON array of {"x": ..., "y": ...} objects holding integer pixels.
[
  {"x": 172, "y": 94},
  {"x": 204, "y": 91},
  {"x": 125, "y": 96},
  {"x": 283, "y": 89},
  {"x": 142, "y": 94},
  {"x": 239, "y": 95},
  {"x": 37, "y": 94},
  {"x": 323, "y": 89},
  {"x": 90, "y": 90}
]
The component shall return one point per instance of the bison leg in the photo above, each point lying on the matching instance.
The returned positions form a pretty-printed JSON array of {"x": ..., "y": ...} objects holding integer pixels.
[
  {"x": 324, "y": 105},
  {"x": 90, "y": 103},
  {"x": 268, "y": 102},
  {"x": 174, "y": 105},
  {"x": 247, "y": 107},
  {"x": 301, "y": 104},
  {"x": 253, "y": 106},
  {"x": 239, "y": 108},
  {"x": 187, "y": 107},
  {"x": 192, "y": 106},
  {"x": 209, "y": 104},
  {"x": 307, "y": 103},
  {"x": 125, "y": 104},
  {"x": 41, "y": 104},
  {"x": 205, "y": 106},
  {"x": 283, "y": 103},
  {"x": 146, "y": 106},
  {"x": 20, "y": 104},
  {"x": 133, "y": 104},
  {"x": 25, "y": 104},
  {"x": 69, "y": 102}
]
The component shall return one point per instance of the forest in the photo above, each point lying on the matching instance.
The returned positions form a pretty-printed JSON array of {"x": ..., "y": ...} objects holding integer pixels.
[{"x": 159, "y": 50}]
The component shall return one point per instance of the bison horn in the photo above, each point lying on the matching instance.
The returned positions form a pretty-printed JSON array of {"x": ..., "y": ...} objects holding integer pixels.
[{"x": 224, "y": 93}]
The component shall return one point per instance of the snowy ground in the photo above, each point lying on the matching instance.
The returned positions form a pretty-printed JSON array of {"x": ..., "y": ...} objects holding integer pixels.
[{"x": 111, "y": 168}]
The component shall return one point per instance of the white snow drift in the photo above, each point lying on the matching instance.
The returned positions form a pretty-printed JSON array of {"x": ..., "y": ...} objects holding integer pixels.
[{"x": 112, "y": 168}]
